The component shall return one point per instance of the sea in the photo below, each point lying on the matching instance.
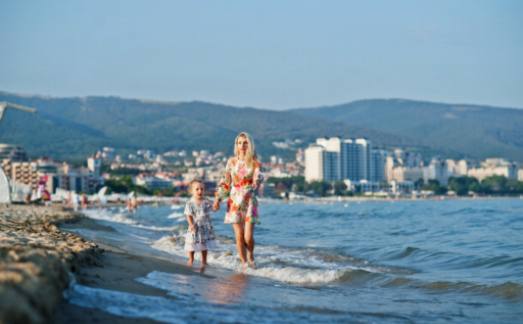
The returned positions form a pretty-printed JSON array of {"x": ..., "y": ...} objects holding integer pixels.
[{"x": 397, "y": 261}]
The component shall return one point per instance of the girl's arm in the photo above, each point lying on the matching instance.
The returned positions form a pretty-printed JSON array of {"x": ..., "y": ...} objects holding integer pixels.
[
  {"x": 188, "y": 212},
  {"x": 190, "y": 220}
]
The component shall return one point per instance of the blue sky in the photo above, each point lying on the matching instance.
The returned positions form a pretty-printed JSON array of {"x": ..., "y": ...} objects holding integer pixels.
[{"x": 266, "y": 54}]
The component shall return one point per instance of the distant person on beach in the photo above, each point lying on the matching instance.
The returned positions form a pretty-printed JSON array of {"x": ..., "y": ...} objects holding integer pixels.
[
  {"x": 132, "y": 202},
  {"x": 84, "y": 201},
  {"x": 75, "y": 201},
  {"x": 200, "y": 234},
  {"x": 239, "y": 186}
]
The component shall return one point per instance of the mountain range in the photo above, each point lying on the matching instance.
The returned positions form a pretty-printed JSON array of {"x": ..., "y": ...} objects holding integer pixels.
[{"x": 72, "y": 128}]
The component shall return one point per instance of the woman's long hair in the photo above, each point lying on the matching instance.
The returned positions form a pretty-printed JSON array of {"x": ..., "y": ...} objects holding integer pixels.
[{"x": 251, "y": 151}]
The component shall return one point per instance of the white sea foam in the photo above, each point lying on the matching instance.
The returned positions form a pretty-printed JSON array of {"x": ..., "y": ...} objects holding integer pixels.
[
  {"x": 281, "y": 264},
  {"x": 179, "y": 216},
  {"x": 122, "y": 217},
  {"x": 108, "y": 215}
]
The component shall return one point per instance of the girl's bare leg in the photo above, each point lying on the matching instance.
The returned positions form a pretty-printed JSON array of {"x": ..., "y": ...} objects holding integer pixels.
[
  {"x": 191, "y": 258},
  {"x": 240, "y": 243},
  {"x": 249, "y": 242}
]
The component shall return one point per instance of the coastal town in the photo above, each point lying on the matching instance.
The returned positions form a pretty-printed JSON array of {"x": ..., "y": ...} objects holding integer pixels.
[{"x": 327, "y": 167}]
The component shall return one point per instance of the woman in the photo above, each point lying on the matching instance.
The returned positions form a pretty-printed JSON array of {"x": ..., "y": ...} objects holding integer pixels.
[{"x": 239, "y": 185}]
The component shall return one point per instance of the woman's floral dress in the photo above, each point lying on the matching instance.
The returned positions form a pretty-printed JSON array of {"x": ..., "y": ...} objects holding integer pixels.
[{"x": 237, "y": 187}]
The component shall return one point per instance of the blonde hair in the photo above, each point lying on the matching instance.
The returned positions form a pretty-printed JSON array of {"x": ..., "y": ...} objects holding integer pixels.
[
  {"x": 251, "y": 151},
  {"x": 191, "y": 184}
]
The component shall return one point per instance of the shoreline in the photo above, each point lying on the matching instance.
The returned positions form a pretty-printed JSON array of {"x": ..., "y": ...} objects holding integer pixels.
[
  {"x": 37, "y": 260},
  {"x": 40, "y": 260},
  {"x": 118, "y": 272}
]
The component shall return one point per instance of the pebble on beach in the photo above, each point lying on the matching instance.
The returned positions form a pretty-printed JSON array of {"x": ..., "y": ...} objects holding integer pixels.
[{"x": 36, "y": 260}]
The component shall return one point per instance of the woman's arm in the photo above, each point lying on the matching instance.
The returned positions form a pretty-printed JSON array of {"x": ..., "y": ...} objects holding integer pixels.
[
  {"x": 224, "y": 185},
  {"x": 257, "y": 177}
]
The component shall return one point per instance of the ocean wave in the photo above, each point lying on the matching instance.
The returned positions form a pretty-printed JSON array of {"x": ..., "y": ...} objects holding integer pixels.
[
  {"x": 122, "y": 217},
  {"x": 294, "y": 266},
  {"x": 111, "y": 216},
  {"x": 507, "y": 290},
  {"x": 408, "y": 251},
  {"x": 179, "y": 216}
]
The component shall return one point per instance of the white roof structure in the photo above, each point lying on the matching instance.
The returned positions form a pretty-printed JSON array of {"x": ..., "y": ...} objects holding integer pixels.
[
  {"x": 5, "y": 190},
  {"x": 4, "y": 105}
]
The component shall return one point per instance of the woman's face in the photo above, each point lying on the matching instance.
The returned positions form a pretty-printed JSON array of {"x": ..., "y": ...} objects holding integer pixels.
[{"x": 243, "y": 144}]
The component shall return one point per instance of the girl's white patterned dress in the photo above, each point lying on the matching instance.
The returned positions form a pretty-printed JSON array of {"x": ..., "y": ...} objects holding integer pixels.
[{"x": 203, "y": 237}]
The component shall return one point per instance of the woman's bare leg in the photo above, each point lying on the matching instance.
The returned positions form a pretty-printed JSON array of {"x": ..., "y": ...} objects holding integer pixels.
[
  {"x": 240, "y": 243},
  {"x": 204, "y": 261},
  {"x": 249, "y": 242}
]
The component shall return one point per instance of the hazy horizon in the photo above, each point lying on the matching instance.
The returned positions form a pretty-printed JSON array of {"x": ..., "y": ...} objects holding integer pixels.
[
  {"x": 268, "y": 55},
  {"x": 248, "y": 106}
]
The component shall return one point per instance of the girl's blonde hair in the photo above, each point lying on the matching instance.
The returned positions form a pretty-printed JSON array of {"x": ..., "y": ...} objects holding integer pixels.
[
  {"x": 191, "y": 184},
  {"x": 251, "y": 151}
]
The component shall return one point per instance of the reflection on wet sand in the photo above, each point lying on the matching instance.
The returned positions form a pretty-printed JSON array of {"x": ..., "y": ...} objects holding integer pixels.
[{"x": 228, "y": 290}]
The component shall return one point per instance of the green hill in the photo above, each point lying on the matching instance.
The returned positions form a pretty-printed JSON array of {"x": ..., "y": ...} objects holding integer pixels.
[
  {"x": 70, "y": 128},
  {"x": 455, "y": 129}
]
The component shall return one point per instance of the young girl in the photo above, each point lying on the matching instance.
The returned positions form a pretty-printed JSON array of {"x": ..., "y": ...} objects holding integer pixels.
[{"x": 200, "y": 234}]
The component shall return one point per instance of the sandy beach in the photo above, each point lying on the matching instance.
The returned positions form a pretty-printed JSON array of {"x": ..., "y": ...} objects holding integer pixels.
[
  {"x": 36, "y": 260},
  {"x": 117, "y": 272}
]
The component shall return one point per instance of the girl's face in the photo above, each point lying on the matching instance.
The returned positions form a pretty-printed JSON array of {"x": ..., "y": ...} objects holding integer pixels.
[
  {"x": 198, "y": 190},
  {"x": 243, "y": 144}
]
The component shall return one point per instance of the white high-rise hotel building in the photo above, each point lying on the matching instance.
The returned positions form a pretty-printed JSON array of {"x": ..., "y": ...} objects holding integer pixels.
[{"x": 331, "y": 159}]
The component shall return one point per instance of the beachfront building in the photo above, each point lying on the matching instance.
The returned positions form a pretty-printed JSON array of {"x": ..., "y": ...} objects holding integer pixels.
[
  {"x": 25, "y": 173},
  {"x": 402, "y": 174},
  {"x": 75, "y": 179},
  {"x": 457, "y": 168},
  {"x": 13, "y": 153},
  {"x": 314, "y": 163},
  {"x": 52, "y": 175},
  {"x": 334, "y": 159},
  {"x": 377, "y": 166},
  {"x": 355, "y": 159},
  {"x": 94, "y": 164},
  {"x": 495, "y": 166},
  {"x": 437, "y": 170}
]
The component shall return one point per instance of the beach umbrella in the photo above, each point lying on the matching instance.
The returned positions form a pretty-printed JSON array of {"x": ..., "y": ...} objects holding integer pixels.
[
  {"x": 101, "y": 195},
  {"x": 102, "y": 191}
]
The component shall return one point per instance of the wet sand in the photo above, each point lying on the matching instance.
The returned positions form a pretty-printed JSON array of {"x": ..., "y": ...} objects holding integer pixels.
[{"x": 117, "y": 270}]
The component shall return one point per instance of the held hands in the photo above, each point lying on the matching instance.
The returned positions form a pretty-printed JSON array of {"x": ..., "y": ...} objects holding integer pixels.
[
  {"x": 192, "y": 228},
  {"x": 216, "y": 205}
]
